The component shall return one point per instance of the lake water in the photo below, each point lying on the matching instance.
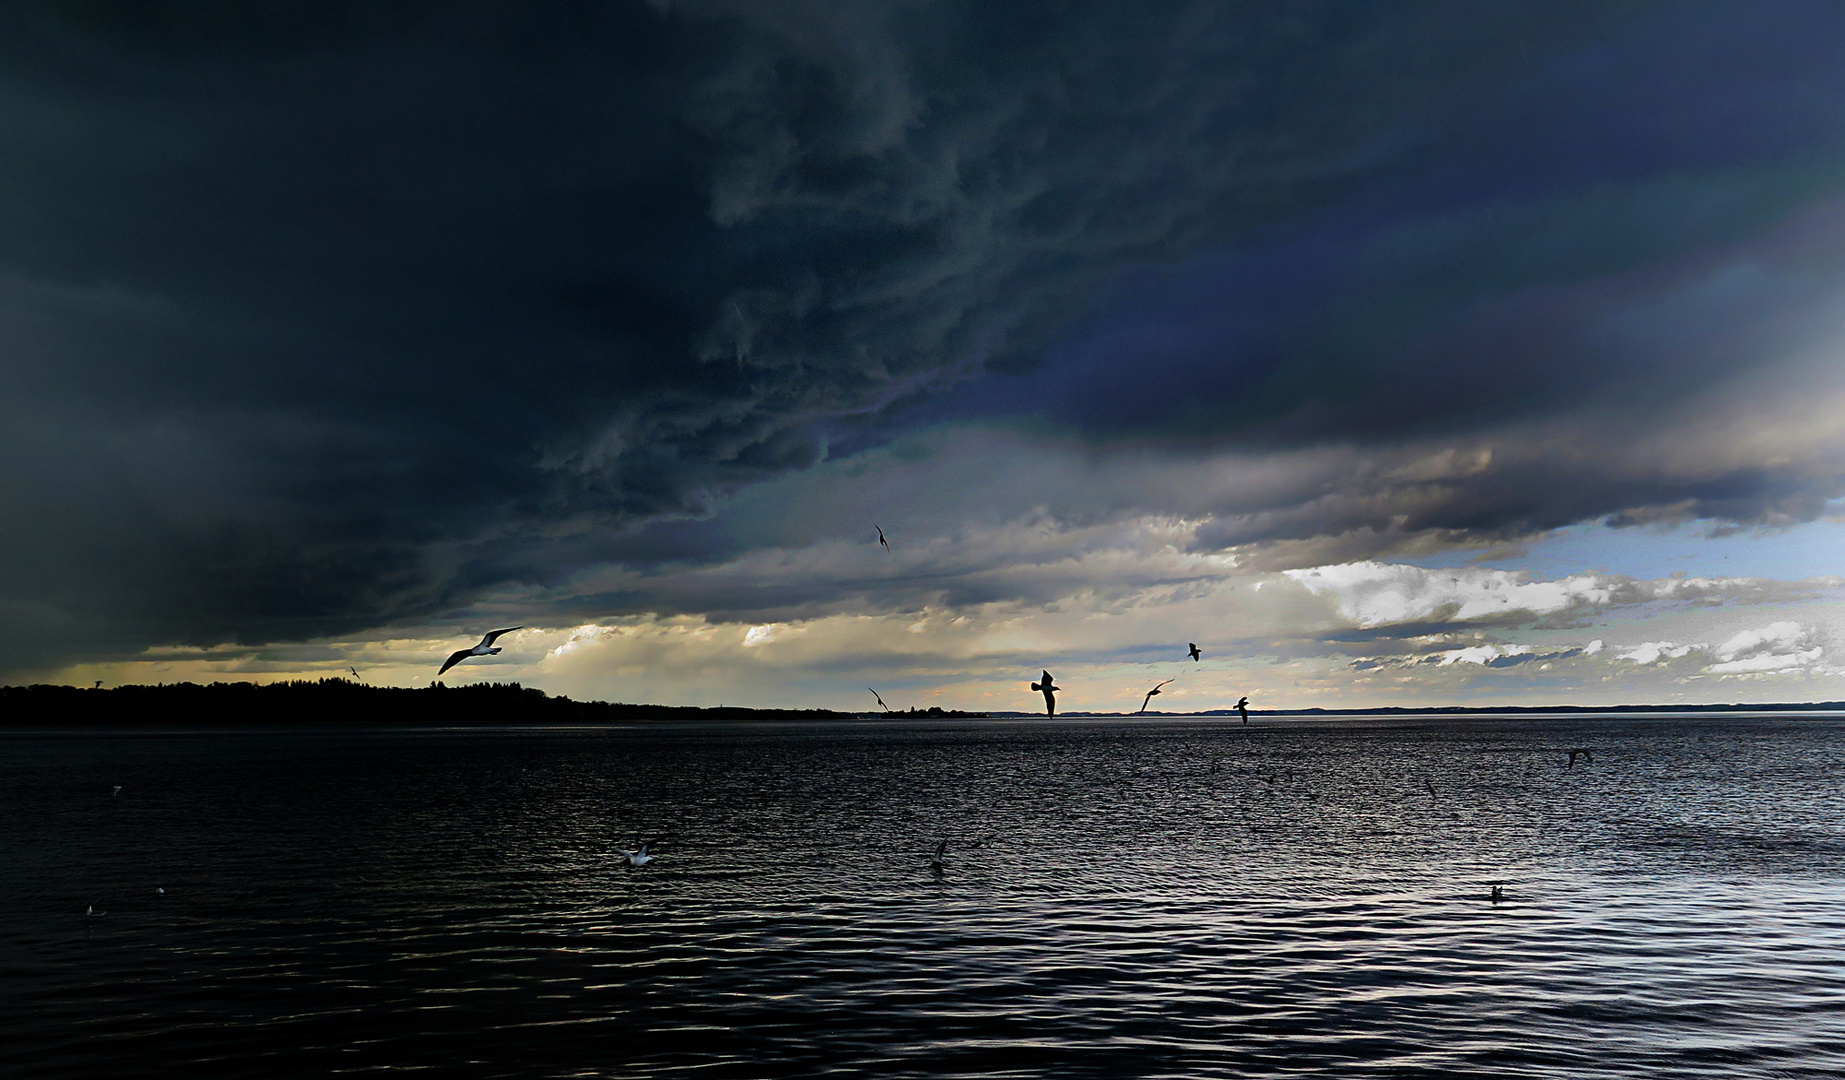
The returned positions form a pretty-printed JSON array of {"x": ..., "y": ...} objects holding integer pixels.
[{"x": 1152, "y": 904}]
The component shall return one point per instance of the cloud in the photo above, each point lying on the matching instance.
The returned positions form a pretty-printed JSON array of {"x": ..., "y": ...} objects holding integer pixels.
[
  {"x": 324, "y": 320},
  {"x": 1651, "y": 652}
]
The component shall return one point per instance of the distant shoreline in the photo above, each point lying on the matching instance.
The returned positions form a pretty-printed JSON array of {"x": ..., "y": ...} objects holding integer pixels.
[{"x": 340, "y": 701}]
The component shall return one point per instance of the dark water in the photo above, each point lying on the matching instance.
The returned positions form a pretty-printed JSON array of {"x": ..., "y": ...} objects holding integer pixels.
[{"x": 446, "y": 901}]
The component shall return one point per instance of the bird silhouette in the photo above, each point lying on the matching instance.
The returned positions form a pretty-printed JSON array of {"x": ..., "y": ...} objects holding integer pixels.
[
  {"x": 937, "y": 860},
  {"x": 1149, "y": 697},
  {"x": 881, "y": 539},
  {"x": 1582, "y": 752},
  {"x": 1050, "y": 703},
  {"x": 1195, "y": 654},
  {"x": 1242, "y": 706},
  {"x": 355, "y": 673},
  {"x": 485, "y": 648},
  {"x": 880, "y": 698}
]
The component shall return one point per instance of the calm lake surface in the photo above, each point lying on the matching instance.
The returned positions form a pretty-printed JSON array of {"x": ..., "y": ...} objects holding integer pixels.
[{"x": 1152, "y": 904}]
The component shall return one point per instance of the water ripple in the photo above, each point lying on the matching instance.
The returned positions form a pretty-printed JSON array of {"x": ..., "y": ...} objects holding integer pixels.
[{"x": 1172, "y": 898}]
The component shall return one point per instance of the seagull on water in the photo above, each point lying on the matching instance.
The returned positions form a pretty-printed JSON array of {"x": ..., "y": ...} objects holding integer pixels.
[
  {"x": 485, "y": 648},
  {"x": 1195, "y": 654},
  {"x": 1050, "y": 703},
  {"x": 1149, "y": 697},
  {"x": 881, "y": 539},
  {"x": 639, "y": 857},
  {"x": 1582, "y": 752},
  {"x": 1498, "y": 893}
]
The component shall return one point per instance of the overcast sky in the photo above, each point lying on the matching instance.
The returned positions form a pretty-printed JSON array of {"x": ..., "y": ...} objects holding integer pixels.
[{"x": 1435, "y": 353}]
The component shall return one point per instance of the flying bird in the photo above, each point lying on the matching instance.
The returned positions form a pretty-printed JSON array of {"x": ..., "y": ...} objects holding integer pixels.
[
  {"x": 1242, "y": 706},
  {"x": 485, "y": 648},
  {"x": 1582, "y": 752},
  {"x": 1149, "y": 697},
  {"x": 880, "y": 698},
  {"x": 881, "y": 539},
  {"x": 355, "y": 673},
  {"x": 1195, "y": 653},
  {"x": 116, "y": 792},
  {"x": 937, "y": 861},
  {"x": 1050, "y": 703},
  {"x": 98, "y": 685}
]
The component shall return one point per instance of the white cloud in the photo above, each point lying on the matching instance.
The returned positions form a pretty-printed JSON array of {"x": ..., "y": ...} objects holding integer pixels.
[
  {"x": 1652, "y": 652},
  {"x": 1378, "y": 594},
  {"x": 1774, "y": 636},
  {"x": 1482, "y": 654}
]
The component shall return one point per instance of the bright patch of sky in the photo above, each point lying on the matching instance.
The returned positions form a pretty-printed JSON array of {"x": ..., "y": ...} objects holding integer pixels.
[{"x": 1813, "y": 549}]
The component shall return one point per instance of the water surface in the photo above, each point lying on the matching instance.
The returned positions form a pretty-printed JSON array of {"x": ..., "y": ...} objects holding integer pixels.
[{"x": 1188, "y": 898}]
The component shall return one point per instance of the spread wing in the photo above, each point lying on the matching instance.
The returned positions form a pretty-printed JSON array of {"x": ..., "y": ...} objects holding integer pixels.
[
  {"x": 453, "y": 659},
  {"x": 487, "y": 642}
]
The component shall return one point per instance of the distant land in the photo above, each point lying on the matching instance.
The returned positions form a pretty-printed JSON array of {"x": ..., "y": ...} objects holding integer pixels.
[{"x": 341, "y": 701}]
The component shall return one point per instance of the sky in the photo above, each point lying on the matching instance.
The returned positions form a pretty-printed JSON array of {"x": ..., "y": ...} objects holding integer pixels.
[{"x": 1397, "y": 354}]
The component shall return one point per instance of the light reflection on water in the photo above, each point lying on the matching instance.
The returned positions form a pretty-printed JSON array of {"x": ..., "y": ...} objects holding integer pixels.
[{"x": 1154, "y": 903}]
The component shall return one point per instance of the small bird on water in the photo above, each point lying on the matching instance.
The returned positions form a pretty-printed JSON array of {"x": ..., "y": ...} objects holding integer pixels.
[
  {"x": 1498, "y": 894},
  {"x": 1195, "y": 654},
  {"x": 1050, "y": 703},
  {"x": 1149, "y": 697},
  {"x": 485, "y": 648}
]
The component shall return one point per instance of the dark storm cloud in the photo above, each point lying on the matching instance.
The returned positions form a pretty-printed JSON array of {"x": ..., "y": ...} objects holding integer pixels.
[{"x": 320, "y": 316}]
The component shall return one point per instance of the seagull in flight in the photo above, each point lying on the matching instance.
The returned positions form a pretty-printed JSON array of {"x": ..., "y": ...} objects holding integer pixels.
[
  {"x": 937, "y": 860},
  {"x": 116, "y": 793},
  {"x": 880, "y": 698},
  {"x": 355, "y": 673},
  {"x": 1149, "y": 697},
  {"x": 1050, "y": 703},
  {"x": 881, "y": 539},
  {"x": 1582, "y": 752},
  {"x": 1195, "y": 654},
  {"x": 485, "y": 648}
]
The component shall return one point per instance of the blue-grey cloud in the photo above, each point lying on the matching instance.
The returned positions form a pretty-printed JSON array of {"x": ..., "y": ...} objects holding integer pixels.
[{"x": 320, "y": 317}]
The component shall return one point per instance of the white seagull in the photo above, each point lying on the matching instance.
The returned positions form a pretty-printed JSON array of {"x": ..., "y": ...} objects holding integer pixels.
[
  {"x": 485, "y": 648},
  {"x": 638, "y": 858}
]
